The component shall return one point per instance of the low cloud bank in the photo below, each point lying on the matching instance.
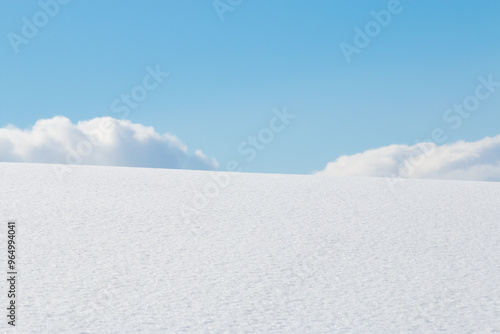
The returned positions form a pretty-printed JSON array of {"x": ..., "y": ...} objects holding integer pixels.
[
  {"x": 479, "y": 160},
  {"x": 100, "y": 141}
]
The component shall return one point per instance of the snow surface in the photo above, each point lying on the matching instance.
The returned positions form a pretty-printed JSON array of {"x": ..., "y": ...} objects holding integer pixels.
[{"x": 106, "y": 250}]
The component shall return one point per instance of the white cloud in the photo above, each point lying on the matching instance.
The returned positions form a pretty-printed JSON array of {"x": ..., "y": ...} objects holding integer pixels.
[
  {"x": 462, "y": 160},
  {"x": 100, "y": 141}
]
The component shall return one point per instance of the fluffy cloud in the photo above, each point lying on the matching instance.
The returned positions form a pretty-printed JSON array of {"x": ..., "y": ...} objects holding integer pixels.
[
  {"x": 100, "y": 141},
  {"x": 462, "y": 160}
]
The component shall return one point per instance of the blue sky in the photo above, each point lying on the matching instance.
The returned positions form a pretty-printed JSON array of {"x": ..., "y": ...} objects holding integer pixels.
[{"x": 226, "y": 76}]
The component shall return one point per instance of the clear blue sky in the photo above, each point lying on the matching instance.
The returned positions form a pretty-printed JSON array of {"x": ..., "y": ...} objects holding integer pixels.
[{"x": 226, "y": 76}]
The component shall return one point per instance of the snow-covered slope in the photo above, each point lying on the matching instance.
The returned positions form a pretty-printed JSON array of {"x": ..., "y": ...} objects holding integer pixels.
[{"x": 119, "y": 250}]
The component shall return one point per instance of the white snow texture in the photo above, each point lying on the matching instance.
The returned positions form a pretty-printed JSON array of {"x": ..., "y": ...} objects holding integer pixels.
[{"x": 109, "y": 250}]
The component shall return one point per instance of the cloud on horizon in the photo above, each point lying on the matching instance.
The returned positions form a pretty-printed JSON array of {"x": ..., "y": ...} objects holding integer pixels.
[
  {"x": 478, "y": 161},
  {"x": 99, "y": 141}
]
